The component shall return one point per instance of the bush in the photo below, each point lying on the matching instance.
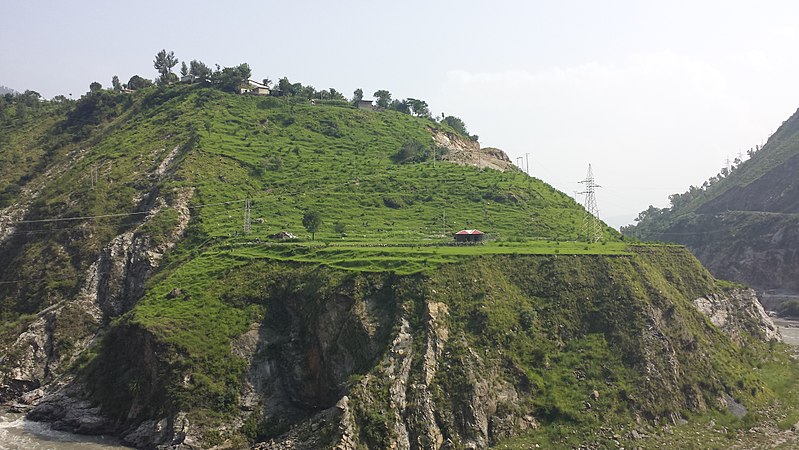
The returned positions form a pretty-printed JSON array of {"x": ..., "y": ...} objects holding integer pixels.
[{"x": 412, "y": 151}]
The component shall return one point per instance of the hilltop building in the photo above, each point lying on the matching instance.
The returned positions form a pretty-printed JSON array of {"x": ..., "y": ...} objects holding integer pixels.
[
  {"x": 253, "y": 87},
  {"x": 365, "y": 104}
]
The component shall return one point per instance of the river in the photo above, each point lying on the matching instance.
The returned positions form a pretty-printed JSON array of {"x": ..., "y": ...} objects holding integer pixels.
[
  {"x": 18, "y": 433},
  {"x": 789, "y": 329}
]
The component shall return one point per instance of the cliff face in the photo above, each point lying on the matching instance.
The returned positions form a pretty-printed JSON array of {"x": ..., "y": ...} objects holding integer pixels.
[
  {"x": 467, "y": 152},
  {"x": 760, "y": 249},
  {"x": 465, "y": 356},
  {"x": 52, "y": 339}
]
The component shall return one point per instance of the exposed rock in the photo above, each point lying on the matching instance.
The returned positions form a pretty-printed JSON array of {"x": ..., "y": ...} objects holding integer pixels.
[
  {"x": 736, "y": 312},
  {"x": 68, "y": 412},
  {"x": 735, "y": 408},
  {"x": 466, "y": 152}
]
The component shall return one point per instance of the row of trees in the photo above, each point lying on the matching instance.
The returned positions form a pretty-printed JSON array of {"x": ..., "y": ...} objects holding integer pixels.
[{"x": 231, "y": 78}]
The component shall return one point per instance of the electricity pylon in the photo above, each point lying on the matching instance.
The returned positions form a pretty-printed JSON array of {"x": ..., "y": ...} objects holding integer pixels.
[{"x": 591, "y": 226}]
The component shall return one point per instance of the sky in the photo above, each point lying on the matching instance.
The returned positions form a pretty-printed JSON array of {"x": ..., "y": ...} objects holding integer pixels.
[{"x": 654, "y": 95}]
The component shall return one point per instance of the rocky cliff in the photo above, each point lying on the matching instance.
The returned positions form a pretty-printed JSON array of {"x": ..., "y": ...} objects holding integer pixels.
[
  {"x": 468, "y": 152},
  {"x": 464, "y": 357}
]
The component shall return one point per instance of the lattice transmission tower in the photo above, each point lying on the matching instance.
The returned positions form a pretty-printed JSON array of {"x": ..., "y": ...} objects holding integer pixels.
[{"x": 591, "y": 226}]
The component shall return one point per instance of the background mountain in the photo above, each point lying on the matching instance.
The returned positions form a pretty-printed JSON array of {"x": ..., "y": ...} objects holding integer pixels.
[
  {"x": 743, "y": 224},
  {"x": 7, "y": 90},
  {"x": 148, "y": 290}
]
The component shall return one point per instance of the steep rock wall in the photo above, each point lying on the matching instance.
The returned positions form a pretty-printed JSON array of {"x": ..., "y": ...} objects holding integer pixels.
[{"x": 462, "y": 357}]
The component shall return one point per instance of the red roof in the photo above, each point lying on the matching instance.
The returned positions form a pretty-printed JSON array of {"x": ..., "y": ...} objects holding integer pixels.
[{"x": 470, "y": 232}]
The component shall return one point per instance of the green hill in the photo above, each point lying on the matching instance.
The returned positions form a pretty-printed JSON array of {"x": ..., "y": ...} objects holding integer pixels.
[
  {"x": 743, "y": 223},
  {"x": 140, "y": 298}
]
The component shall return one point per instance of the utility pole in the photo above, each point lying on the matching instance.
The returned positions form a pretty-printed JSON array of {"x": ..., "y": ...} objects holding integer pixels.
[
  {"x": 527, "y": 162},
  {"x": 519, "y": 160},
  {"x": 247, "y": 224},
  {"x": 93, "y": 175},
  {"x": 591, "y": 225}
]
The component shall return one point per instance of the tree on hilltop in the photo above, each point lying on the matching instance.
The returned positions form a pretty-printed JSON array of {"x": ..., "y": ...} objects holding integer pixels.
[
  {"x": 419, "y": 107},
  {"x": 95, "y": 87},
  {"x": 163, "y": 63},
  {"x": 199, "y": 69},
  {"x": 402, "y": 106},
  {"x": 383, "y": 98},
  {"x": 116, "y": 84},
  {"x": 184, "y": 69},
  {"x": 137, "y": 82},
  {"x": 456, "y": 124},
  {"x": 336, "y": 95},
  {"x": 357, "y": 96},
  {"x": 231, "y": 78}
]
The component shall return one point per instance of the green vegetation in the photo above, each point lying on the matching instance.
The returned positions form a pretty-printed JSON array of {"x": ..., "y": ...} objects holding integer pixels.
[{"x": 553, "y": 317}]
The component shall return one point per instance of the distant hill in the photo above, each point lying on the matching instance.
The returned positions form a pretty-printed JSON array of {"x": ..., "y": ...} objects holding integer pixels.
[
  {"x": 7, "y": 90},
  {"x": 743, "y": 224}
]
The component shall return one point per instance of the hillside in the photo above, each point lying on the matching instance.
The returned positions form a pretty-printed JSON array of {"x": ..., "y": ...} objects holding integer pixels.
[
  {"x": 743, "y": 226},
  {"x": 138, "y": 300}
]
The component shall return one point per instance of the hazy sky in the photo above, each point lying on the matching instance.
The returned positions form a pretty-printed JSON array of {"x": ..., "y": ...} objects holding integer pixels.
[{"x": 655, "y": 95}]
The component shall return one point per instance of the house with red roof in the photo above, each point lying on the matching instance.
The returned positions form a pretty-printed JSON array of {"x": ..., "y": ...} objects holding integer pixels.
[{"x": 469, "y": 236}]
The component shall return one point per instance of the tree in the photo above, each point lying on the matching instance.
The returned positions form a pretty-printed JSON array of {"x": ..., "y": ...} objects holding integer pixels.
[
  {"x": 137, "y": 82},
  {"x": 357, "y": 95},
  {"x": 199, "y": 70},
  {"x": 230, "y": 78},
  {"x": 308, "y": 92},
  {"x": 95, "y": 87},
  {"x": 312, "y": 220},
  {"x": 267, "y": 82},
  {"x": 336, "y": 95},
  {"x": 184, "y": 69},
  {"x": 116, "y": 84},
  {"x": 456, "y": 124},
  {"x": 400, "y": 105},
  {"x": 412, "y": 151},
  {"x": 284, "y": 86},
  {"x": 419, "y": 107},
  {"x": 163, "y": 63},
  {"x": 383, "y": 98}
]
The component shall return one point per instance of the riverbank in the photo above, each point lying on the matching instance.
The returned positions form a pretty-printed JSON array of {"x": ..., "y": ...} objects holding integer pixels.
[{"x": 18, "y": 433}]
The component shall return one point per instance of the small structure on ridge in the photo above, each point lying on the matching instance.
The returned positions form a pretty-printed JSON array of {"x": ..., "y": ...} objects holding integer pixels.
[{"x": 469, "y": 236}]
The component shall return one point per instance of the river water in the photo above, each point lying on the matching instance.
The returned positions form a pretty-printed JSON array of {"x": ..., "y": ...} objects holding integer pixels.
[
  {"x": 18, "y": 433},
  {"x": 789, "y": 329}
]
